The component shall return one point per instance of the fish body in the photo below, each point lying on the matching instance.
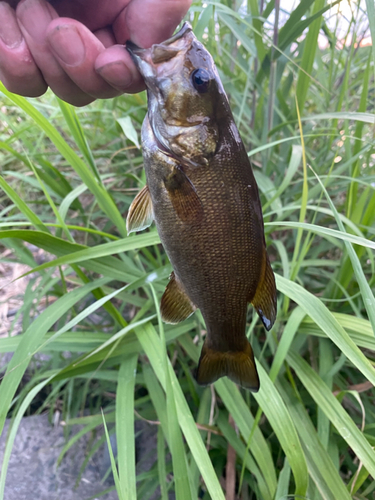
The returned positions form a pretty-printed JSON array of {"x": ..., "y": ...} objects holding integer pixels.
[{"x": 202, "y": 194}]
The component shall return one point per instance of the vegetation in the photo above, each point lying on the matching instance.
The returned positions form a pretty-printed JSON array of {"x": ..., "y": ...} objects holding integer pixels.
[{"x": 301, "y": 86}]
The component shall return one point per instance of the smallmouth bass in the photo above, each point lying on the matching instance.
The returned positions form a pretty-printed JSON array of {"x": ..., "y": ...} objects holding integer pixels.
[{"x": 202, "y": 194}]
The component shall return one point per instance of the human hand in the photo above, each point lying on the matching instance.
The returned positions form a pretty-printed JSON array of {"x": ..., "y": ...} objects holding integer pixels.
[{"x": 73, "y": 46}]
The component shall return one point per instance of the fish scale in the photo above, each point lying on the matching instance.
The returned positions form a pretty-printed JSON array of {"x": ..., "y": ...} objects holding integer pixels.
[{"x": 203, "y": 196}]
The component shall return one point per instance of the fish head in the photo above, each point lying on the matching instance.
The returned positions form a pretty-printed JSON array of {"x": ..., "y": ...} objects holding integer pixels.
[{"x": 185, "y": 96}]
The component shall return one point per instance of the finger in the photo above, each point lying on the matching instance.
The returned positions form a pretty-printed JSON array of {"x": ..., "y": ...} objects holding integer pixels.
[
  {"x": 117, "y": 68},
  {"x": 94, "y": 15},
  {"x": 18, "y": 70},
  {"x": 76, "y": 49},
  {"x": 34, "y": 17},
  {"x": 106, "y": 36},
  {"x": 162, "y": 18}
]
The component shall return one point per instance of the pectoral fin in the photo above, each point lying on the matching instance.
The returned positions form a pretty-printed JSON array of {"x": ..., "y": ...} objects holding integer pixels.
[
  {"x": 175, "y": 304},
  {"x": 140, "y": 213},
  {"x": 239, "y": 366},
  {"x": 264, "y": 299},
  {"x": 183, "y": 196}
]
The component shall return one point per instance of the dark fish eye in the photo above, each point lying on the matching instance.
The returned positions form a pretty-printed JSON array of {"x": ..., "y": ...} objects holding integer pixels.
[{"x": 201, "y": 80}]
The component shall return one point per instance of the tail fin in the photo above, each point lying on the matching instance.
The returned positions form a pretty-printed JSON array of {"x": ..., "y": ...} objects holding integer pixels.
[{"x": 239, "y": 366}]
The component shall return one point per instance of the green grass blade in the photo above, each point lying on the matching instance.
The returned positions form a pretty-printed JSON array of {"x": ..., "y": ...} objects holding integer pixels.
[
  {"x": 352, "y": 194},
  {"x": 179, "y": 459},
  {"x": 52, "y": 205},
  {"x": 128, "y": 128},
  {"x": 367, "y": 295},
  {"x": 241, "y": 414},
  {"x": 240, "y": 448},
  {"x": 125, "y": 426},
  {"x": 113, "y": 338},
  {"x": 308, "y": 56},
  {"x": 326, "y": 231},
  {"x": 78, "y": 134},
  {"x": 294, "y": 162},
  {"x": 108, "y": 266},
  {"x": 286, "y": 340},
  {"x": 343, "y": 115},
  {"x": 334, "y": 411},
  {"x": 22, "y": 206},
  {"x": 320, "y": 314},
  {"x": 275, "y": 410},
  {"x": 239, "y": 410},
  {"x": 104, "y": 250},
  {"x": 203, "y": 21},
  {"x": 258, "y": 25},
  {"x": 283, "y": 482},
  {"x": 304, "y": 198},
  {"x": 161, "y": 465},
  {"x": 153, "y": 349},
  {"x": 31, "y": 340},
  {"x": 113, "y": 462},
  {"x": 158, "y": 399},
  {"x": 371, "y": 17},
  {"x": 103, "y": 198},
  {"x": 320, "y": 466},
  {"x": 48, "y": 173}
]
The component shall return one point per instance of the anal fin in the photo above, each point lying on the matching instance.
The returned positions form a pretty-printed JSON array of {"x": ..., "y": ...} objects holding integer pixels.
[
  {"x": 140, "y": 213},
  {"x": 175, "y": 304},
  {"x": 183, "y": 196},
  {"x": 264, "y": 299},
  {"x": 239, "y": 366}
]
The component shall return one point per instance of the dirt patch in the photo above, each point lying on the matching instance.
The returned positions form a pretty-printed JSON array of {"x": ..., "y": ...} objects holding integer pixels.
[{"x": 12, "y": 291}]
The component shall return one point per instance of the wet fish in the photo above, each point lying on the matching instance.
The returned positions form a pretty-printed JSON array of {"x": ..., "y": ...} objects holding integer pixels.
[{"x": 202, "y": 194}]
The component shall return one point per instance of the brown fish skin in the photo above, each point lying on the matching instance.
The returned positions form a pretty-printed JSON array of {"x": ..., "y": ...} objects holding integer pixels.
[{"x": 206, "y": 206}]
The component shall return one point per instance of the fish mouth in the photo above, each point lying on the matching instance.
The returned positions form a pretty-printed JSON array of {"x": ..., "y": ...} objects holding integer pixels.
[{"x": 159, "y": 52}]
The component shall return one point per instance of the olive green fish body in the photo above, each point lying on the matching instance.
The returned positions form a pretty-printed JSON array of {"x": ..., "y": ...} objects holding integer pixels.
[
  {"x": 204, "y": 199},
  {"x": 216, "y": 255}
]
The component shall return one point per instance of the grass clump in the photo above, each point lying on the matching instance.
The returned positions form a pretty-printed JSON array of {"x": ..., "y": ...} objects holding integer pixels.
[{"x": 301, "y": 86}]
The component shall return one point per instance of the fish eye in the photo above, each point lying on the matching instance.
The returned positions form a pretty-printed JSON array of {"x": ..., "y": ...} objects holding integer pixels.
[{"x": 201, "y": 80}]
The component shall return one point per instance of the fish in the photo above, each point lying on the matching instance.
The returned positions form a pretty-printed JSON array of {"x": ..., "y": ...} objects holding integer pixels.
[{"x": 202, "y": 195}]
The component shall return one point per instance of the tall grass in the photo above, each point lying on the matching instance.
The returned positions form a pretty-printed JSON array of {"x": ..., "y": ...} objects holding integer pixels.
[{"x": 301, "y": 86}]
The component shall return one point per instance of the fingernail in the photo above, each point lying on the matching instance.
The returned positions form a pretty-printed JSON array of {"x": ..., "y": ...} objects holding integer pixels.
[
  {"x": 9, "y": 30},
  {"x": 34, "y": 16},
  {"x": 116, "y": 74},
  {"x": 67, "y": 44}
]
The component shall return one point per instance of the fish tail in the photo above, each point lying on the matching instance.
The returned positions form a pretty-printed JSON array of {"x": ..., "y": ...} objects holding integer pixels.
[{"x": 239, "y": 366}]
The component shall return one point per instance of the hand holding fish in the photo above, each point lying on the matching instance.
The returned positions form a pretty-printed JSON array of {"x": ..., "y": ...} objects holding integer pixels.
[{"x": 72, "y": 46}]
